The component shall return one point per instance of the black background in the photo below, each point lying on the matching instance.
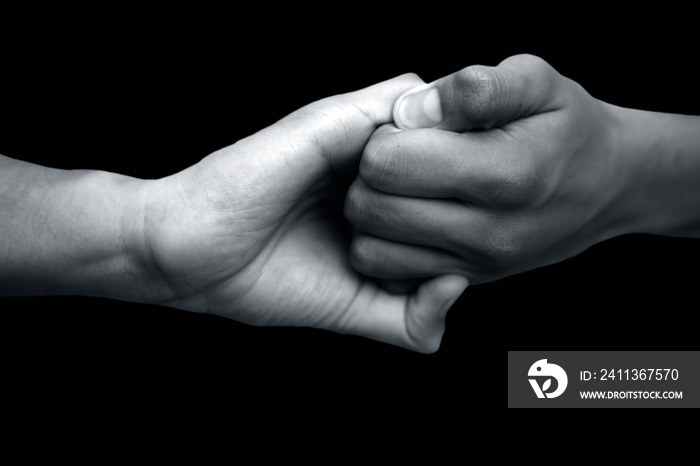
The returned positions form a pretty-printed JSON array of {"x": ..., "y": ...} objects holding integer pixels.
[{"x": 149, "y": 94}]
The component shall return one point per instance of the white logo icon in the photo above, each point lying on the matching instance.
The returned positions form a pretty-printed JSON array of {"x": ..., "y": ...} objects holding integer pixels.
[{"x": 545, "y": 371}]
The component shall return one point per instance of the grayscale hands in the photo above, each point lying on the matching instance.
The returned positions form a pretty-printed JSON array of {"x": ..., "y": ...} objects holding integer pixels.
[
  {"x": 493, "y": 171},
  {"x": 254, "y": 232}
]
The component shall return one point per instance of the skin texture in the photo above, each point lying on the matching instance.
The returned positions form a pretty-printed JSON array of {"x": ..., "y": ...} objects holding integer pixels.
[
  {"x": 525, "y": 169},
  {"x": 254, "y": 232}
]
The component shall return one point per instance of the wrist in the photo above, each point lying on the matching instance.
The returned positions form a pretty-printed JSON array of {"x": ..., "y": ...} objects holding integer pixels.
[
  {"x": 628, "y": 162},
  {"x": 72, "y": 232},
  {"x": 104, "y": 236},
  {"x": 659, "y": 160}
]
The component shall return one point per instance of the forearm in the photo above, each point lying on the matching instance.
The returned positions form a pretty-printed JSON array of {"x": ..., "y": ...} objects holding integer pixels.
[
  {"x": 70, "y": 232},
  {"x": 663, "y": 183}
]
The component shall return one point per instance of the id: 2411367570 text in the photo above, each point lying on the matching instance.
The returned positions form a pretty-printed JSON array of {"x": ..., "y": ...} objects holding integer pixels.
[{"x": 630, "y": 374}]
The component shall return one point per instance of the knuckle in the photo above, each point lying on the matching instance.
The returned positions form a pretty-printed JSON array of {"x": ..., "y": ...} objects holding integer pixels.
[
  {"x": 540, "y": 75},
  {"x": 475, "y": 89},
  {"x": 517, "y": 184},
  {"x": 484, "y": 92},
  {"x": 531, "y": 64},
  {"x": 378, "y": 164},
  {"x": 354, "y": 204},
  {"x": 362, "y": 208},
  {"x": 526, "y": 59},
  {"x": 364, "y": 257},
  {"x": 494, "y": 245},
  {"x": 503, "y": 250},
  {"x": 524, "y": 190}
]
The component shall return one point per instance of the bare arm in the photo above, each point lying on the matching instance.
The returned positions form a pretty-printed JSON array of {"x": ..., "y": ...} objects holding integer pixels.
[
  {"x": 70, "y": 232},
  {"x": 250, "y": 232},
  {"x": 663, "y": 187}
]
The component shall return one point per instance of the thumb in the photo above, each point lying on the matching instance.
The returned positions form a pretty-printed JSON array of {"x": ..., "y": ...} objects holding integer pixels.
[
  {"x": 427, "y": 308},
  {"x": 336, "y": 129},
  {"x": 480, "y": 96},
  {"x": 416, "y": 321},
  {"x": 282, "y": 161}
]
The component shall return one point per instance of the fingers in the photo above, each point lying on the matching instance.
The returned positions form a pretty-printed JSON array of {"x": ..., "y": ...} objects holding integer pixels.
[
  {"x": 483, "y": 168},
  {"x": 336, "y": 129},
  {"x": 282, "y": 161},
  {"x": 423, "y": 222},
  {"x": 408, "y": 163},
  {"x": 412, "y": 237},
  {"x": 480, "y": 96},
  {"x": 389, "y": 260}
]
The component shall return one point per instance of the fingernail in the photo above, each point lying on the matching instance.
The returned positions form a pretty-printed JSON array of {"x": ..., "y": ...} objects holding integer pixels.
[{"x": 418, "y": 109}]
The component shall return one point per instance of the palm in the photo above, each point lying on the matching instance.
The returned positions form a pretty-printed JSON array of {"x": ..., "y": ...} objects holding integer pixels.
[
  {"x": 295, "y": 272},
  {"x": 249, "y": 232},
  {"x": 301, "y": 276}
]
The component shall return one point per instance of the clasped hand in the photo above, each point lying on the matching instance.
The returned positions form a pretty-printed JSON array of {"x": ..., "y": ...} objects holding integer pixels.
[
  {"x": 516, "y": 171},
  {"x": 255, "y": 231},
  {"x": 366, "y": 213}
]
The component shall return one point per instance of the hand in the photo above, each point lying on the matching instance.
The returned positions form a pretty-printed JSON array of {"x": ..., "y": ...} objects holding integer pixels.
[
  {"x": 255, "y": 231},
  {"x": 540, "y": 181}
]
